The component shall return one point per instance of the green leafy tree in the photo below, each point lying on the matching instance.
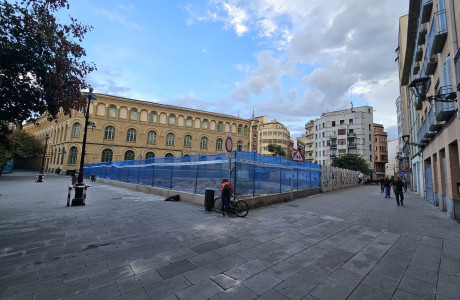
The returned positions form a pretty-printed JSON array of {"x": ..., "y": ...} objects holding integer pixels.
[
  {"x": 17, "y": 144},
  {"x": 276, "y": 150},
  {"x": 351, "y": 162},
  {"x": 41, "y": 66}
]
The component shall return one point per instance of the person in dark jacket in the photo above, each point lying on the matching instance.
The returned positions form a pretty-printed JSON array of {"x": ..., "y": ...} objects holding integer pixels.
[
  {"x": 226, "y": 190},
  {"x": 398, "y": 188},
  {"x": 386, "y": 187}
]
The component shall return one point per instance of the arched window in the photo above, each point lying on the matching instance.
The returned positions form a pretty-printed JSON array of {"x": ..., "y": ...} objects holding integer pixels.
[
  {"x": 220, "y": 126},
  {"x": 204, "y": 125},
  {"x": 76, "y": 130},
  {"x": 131, "y": 135},
  {"x": 240, "y": 129},
  {"x": 239, "y": 146},
  {"x": 188, "y": 141},
  {"x": 189, "y": 122},
  {"x": 169, "y": 155},
  {"x": 170, "y": 139},
  {"x": 109, "y": 133},
  {"x": 153, "y": 117},
  {"x": 133, "y": 114},
  {"x": 219, "y": 143},
  {"x": 107, "y": 155},
  {"x": 152, "y": 137},
  {"x": 149, "y": 155},
  {"x": 172, "y": 119},
  {"x": 73, "y": 152},
  {"x": 245, "y": 130},
  {"x": 129, "y": 155},
  {"x": 204, "y": 143},
  {"x": 112, "y": 111}
]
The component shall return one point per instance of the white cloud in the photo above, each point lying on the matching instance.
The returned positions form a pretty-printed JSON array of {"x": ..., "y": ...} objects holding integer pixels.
[
  {"x": 119, "y": 18},
  {"x": 236, "y": 18}
]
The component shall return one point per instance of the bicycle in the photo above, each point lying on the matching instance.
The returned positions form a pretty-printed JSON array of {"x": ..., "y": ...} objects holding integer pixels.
[{"x": 239, "y": 207}]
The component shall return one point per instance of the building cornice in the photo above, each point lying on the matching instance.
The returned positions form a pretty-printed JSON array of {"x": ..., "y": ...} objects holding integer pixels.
[{"x": 414, "y": 13}]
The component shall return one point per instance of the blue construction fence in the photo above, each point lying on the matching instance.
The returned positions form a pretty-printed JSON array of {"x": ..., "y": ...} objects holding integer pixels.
[
  {"x": 8, "y": 168},
  {"x": 251, "y": 174}
]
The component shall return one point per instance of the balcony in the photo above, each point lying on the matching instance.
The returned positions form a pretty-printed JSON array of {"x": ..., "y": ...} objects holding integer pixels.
[
  {"x": 333, "y": 155},
  {"x": 351, "y": 135},
  {"x": 444, "y": 110},
  {"x": 432, "y": 64},
  {"x": 438, "y": 32},
  {"x": 426, "y": 11},
  {"x": 419, "y": 53},
  {"x": 333, "y": 146},
  {"x": 422, "y": 34},
  {"x": 351, "y": 145},
  {"x": 434, "y": 125},
  {"x": 425, "y": 134},
  {"x": 416, "y": 68}
]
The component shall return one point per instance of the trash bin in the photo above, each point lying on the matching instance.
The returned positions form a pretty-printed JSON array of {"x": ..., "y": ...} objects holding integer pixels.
[{"x": 209, "y": 199}]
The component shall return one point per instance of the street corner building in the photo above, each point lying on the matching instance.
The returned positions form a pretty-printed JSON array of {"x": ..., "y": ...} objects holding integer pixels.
[
  {"x": 128, "y": 129},
  {"x": 428, "y": 58}
]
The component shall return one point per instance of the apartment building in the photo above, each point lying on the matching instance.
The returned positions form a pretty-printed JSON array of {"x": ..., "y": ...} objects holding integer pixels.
[
  {"x": 344, "y": 131},
  {"x": 380, "y": 151},
  {"x": 274, "y": 133},
  {"x": 432, "y": 56}
]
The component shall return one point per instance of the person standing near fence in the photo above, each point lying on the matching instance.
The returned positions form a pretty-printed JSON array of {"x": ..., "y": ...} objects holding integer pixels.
[{"x": 226, "y": 192}]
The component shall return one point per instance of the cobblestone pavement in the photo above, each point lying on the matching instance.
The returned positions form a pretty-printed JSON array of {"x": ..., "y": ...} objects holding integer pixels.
[{"x": 346, "y": 244}]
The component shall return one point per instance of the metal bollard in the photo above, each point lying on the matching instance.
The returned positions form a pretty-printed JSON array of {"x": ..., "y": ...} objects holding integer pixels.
[{"x": 68, "y": 195}]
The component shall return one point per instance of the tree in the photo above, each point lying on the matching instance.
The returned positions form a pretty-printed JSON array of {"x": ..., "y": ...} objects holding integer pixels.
[
  {"x": 17, "y": 144},
  {"x": 41, "y": 67},
  {"x": 351, "y": 162},
  {"x": 276, "y": 150}
]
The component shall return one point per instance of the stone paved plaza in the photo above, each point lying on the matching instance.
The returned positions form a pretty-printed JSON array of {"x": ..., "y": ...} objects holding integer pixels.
[{"x": 346, "y": 244}]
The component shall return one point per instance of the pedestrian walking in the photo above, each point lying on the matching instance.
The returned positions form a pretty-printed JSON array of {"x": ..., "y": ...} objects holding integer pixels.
[
  {"x": 381, "y": 185},
  {"x": 398, "y": 187},
  {"x": 386, "y": 187},
  {"x": 226, "y": 190},
  {"x": 405, "y": 184}
]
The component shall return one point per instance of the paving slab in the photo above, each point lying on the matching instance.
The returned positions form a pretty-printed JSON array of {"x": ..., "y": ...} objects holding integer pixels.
[{"x": 349, "y": 243}]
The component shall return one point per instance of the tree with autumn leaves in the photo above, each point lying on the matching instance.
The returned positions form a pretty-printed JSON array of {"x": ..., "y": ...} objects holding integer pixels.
[
  {"x": 41, "y": 66},
  {"x": 41, "y": 61}
]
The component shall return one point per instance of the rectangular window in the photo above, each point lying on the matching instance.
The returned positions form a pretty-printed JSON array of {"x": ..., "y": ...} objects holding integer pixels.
[
  {"x": 342, "y": 131},
  {"x": 370, "y": 137},
  {"x": 333, "y": 123},
  {"x": 342, "y": 122},
  {"x": 342, "y": 142},
  {"x": 350, "y": 121},
  {"x": 370, "y": 157}
]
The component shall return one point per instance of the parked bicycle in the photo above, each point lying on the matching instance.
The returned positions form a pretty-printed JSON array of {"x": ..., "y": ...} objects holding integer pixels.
[{"x": 238, "y": 207}]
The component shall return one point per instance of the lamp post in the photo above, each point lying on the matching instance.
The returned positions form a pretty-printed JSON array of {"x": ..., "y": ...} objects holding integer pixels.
[
  {"x": 420, "y": 87},
  {"x": 78, "y": 200},
  {"x": 42, "y": 169}
]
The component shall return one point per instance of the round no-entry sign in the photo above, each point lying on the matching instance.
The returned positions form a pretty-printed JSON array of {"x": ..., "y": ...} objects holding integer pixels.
[{"x": 229, "y": 144}]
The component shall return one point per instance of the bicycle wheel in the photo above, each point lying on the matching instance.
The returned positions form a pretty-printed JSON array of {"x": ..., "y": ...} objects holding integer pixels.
[
  {"x": 241, "y": 208},
  {"x": 218, "y": 204}
]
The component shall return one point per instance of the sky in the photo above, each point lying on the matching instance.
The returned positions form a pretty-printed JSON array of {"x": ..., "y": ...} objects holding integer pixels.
[{"x": 289, "y": 59}]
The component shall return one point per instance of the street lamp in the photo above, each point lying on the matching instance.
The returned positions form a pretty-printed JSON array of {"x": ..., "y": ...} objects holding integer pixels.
[
  {"x": 78, "y": 200},
  {"x": 406, "y": 141},
  {"x": 42, "y": 169},
  {"x": 420, "y": 88}
]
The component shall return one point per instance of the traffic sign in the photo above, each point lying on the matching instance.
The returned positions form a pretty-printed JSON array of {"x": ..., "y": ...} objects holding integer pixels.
[
  {"x": 297, "y": 156},
  {"x": 229, "y": 144}
]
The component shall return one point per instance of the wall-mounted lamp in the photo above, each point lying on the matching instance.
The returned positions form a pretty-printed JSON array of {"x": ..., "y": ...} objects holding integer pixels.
[
  {"x": 420, "y": 87},
  {"x": 406, "y": 141}
]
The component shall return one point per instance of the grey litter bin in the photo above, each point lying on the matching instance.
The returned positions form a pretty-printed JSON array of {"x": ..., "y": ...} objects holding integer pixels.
[{"x": 209, "y": 199}]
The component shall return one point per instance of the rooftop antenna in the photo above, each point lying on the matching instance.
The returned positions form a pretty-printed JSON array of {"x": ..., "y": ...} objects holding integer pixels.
[{"x": 351, "y": 96}]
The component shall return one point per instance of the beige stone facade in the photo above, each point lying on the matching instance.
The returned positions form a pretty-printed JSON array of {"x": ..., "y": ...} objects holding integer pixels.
[
  {"x": 132, "y": 129},
  {"x": 432, "y": 154}
]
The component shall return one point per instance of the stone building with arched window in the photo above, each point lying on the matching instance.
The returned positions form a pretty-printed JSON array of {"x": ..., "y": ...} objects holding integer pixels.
[{"x": 132, "y": 129}]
